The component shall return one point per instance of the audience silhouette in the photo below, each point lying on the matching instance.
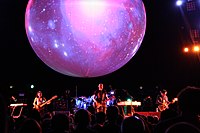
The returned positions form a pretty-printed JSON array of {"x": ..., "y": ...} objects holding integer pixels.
[{"x": 188, "y": 107}]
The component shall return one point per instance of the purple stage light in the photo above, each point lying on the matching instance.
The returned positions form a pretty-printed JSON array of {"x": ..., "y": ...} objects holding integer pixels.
[{"x": 85, "y": 38}]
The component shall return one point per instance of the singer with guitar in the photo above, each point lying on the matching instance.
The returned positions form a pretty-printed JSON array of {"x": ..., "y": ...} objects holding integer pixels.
[
  {"x": 162, "y": 100},
  {"x": 100, "y": 98}
]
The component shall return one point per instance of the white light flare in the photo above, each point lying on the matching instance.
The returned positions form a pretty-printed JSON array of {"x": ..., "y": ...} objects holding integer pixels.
[
  {"x": 179, "y": 2},
  {"x": 93, "y": 8}
]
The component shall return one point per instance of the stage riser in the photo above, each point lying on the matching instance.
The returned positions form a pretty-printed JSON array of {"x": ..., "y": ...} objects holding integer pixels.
[{"x": 149, "y": 113}]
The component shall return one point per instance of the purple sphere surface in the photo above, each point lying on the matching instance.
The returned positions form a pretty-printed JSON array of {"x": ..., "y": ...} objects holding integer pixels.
[{"x": 85, "y": 38}]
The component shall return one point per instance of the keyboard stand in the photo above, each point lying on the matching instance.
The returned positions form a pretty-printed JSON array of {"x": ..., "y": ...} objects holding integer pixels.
[{"x": 13, "y": 107}]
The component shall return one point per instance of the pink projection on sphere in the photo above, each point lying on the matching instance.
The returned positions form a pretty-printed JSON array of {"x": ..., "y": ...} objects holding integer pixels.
[{"x": 85, "y": 38}]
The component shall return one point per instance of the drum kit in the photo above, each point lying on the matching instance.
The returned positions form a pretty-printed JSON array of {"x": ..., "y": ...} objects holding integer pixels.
[{"x": 85, "y": 102}]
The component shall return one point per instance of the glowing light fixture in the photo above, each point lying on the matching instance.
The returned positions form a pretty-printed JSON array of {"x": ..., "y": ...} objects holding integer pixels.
[
  {"x": 196, "y": 48},
  {"x": 179, "y": 2},
  {"x": 128, "y": 100},
  {"x": 186, "y": 50}
]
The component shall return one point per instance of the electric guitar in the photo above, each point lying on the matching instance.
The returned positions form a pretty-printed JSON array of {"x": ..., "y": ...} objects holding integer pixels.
[
  {"x": 165, "y": 105},
  {"x": 40, "y": 107},
  {"x": 97, "y": 104}
]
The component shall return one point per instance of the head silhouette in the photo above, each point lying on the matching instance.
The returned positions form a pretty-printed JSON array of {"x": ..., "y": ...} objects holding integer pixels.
[
  {"x": 188, "y": 100},
  {"x": 132, "y": 124}
]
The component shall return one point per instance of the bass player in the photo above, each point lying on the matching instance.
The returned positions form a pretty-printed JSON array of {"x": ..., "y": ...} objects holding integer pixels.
[{"x": 39, "y": 100}]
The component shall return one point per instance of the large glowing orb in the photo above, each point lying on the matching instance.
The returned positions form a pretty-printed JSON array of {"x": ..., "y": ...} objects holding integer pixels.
[{"x": 85, "y": 38}]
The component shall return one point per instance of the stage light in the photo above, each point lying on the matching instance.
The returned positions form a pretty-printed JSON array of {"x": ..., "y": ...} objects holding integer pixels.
[
  {"x": 196, "y": 48},
  {"x": 112, "y": 92},
  {"x": 186, "y": 50},
  {"x": 129, "y": 100},
  {"x": 32, "y": 86},
  {"x": 179, "y": 2}
]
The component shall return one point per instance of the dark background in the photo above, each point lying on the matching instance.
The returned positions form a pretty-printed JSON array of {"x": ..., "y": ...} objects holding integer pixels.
[{"x": 159, "y": 63}]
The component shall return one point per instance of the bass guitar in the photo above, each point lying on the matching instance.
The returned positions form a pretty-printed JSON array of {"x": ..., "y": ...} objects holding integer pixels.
[{"x": 40, "y": 107}]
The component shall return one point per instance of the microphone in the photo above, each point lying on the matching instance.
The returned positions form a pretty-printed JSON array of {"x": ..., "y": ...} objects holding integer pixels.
[{"x": 13, "y": 98}]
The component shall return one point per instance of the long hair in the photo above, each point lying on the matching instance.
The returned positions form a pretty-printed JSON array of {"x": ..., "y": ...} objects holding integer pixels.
[{"x": 37, "y": 93}]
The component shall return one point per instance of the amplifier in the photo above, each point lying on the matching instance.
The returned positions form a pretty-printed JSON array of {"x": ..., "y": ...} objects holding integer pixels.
[{"x": 62, "y": 112}]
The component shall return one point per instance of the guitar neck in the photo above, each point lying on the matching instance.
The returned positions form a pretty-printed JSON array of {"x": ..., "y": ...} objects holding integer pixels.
[
  {"x": 48, "y": 101},
  {"x": 44, "y": 103}
]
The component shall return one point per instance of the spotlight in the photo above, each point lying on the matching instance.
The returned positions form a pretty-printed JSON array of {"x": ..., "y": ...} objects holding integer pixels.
[
  {"x": 32, "y": 86},
  {"x": 196, "y": 48},
  {"x": 186, "y": 50},
  {"x": 128, "y": 100},
  {"x": 112, "y": 92},
  {"x": 179, "y": 2}
]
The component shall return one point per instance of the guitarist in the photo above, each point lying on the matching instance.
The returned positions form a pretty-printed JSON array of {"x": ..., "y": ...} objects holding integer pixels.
[
  {"x": 162, "y": 100},
  {"x": 100, "y": 97},
  {"x": 39, "y": 100}
]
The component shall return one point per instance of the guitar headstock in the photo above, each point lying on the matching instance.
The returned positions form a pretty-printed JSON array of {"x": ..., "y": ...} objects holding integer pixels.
[
  {"x": 54, "y": 97},
  {"x": 175, "y": 100}
]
